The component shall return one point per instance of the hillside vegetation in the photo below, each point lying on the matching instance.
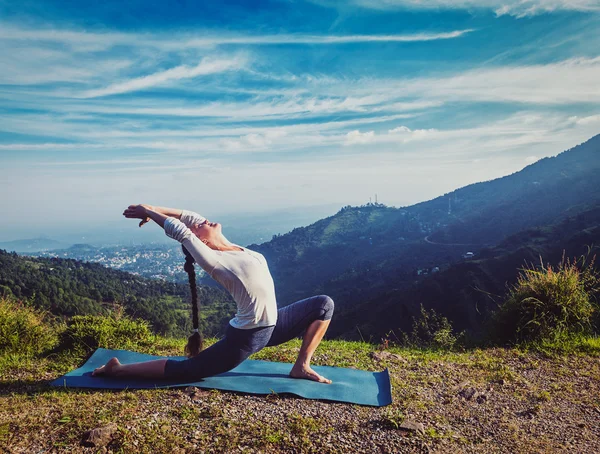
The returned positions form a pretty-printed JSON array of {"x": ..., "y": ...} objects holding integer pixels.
[
  {"x": 66, "y": 287},
  {"x": 478, "y": 400},
  {"x": 468, "y": 291},
  {"x": 363, "y": 253}
]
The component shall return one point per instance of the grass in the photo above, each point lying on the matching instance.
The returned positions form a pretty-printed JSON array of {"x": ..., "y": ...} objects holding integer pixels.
[
  {"x": 550, "y": 304},
  {"x": 528, "y": 381}
]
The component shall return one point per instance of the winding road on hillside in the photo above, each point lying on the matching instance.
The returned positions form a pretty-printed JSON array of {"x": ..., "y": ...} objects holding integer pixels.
[{"x": 427, "y": 240}]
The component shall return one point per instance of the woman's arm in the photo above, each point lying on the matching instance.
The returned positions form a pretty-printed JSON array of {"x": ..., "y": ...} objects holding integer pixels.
[
  {"x": 170, "y": 212},
  {"x": 156, "y": 216},
  {"x": 189, "y": 218},
  {"x": 203, "y": 255}
]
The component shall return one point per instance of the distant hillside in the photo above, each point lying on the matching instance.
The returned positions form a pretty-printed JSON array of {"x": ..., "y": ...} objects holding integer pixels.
[
  {"x": 466, "y": 292},
  {"x": 32, "y": 245},
  {"x": 487, "y": 212},
  {"x": 363, "y": 251},
  {"x": 66, "y": 287}
]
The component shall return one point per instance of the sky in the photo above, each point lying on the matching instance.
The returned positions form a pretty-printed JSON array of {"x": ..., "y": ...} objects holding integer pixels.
[{"x": 253, "y": 106}]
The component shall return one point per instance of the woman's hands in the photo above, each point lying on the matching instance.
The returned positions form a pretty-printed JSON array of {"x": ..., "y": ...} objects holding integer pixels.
[{"x": 138, "y": 212}]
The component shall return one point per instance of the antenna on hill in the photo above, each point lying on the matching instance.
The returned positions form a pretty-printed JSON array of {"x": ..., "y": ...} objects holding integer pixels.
[
  {"x": 369, "y": 200},
  {"x": 375, "y": 199}
]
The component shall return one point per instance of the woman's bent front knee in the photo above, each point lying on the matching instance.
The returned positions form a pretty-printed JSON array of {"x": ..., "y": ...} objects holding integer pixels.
[{"x": 327, "y": 307}]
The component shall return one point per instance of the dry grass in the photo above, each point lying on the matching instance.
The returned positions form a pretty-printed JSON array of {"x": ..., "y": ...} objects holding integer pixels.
[{"x": 494, "y": 400}]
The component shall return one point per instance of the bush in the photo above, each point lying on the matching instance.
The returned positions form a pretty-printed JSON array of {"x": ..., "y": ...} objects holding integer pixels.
[
  {"x": 431, "y": 330},
  {"x": 549, "y": 304},
  {"x": 85, "y": 333},
  {"x": 24, "y": 330}
]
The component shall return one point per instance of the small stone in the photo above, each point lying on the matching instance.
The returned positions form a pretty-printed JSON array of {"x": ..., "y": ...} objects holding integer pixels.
[
  {"x": 468, "y": 393},
  {"x": 193, "y": 392},
  {"x": 99, "y": 436},
  {"x": 412, "y": 426},
  {"x": 387, "y": 356}
]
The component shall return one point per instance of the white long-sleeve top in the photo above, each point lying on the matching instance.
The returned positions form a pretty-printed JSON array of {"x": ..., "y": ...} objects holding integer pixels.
[{"x": 244, "y": 274}]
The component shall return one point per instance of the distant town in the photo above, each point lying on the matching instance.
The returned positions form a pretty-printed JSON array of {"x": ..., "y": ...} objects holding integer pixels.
[{"x": 157, "y": 261}]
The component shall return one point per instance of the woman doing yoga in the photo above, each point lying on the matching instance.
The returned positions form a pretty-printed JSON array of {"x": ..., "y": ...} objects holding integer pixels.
[{"x": 257, "y": 324}]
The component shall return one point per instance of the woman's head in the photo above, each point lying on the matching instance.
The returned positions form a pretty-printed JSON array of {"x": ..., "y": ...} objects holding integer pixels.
[{"x": 209, "y": 233}]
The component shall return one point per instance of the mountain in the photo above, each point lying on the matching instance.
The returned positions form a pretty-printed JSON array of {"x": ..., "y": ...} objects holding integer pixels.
[
  {"x": 32, "y": 245},
  {"x": 487, "y": 212},
  {"x": 466, "y": 292},
  {"x": 363, "y": 251}
]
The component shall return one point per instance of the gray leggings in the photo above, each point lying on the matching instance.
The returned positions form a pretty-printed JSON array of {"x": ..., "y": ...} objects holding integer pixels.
[{"x": 239, "y": 344}]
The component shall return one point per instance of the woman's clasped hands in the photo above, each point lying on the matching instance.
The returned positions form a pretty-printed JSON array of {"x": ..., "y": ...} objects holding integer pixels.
[{"x": 138, "y": 212}]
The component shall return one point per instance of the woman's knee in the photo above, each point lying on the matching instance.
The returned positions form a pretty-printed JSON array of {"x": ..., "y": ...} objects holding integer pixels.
[{"x": 327, "y": 307}]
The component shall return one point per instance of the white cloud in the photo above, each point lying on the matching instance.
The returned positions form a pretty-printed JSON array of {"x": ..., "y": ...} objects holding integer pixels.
[
  {"x": 253, "y": 141},
  {"x": 517, "y": 8},
  {"x": 359, "y": 138},
  {"x": 590, "y": 120},
  {"x": 86, "y": 41},
  {"x": 544, "y": 84},
  {"x": 322, "y": 39},
  {"x": 399, "y": 130},
  {"x": 405, "y": 134},
  {"x": 49, "y": 146},
  {"x": 205, "y": 67}
]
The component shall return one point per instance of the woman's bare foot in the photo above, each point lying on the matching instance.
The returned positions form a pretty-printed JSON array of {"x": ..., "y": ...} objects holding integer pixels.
[
  {"x": 308, "y": 374},
  {"x": 110, "y": 368}
]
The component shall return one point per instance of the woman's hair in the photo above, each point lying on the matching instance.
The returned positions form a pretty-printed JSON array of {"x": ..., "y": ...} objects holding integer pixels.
[{"x": 195, "y": 341}]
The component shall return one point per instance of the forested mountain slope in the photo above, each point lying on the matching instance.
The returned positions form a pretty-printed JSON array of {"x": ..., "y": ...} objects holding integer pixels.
[
  {"x": 466, "y": 292},
  {"x": 68, "y": 287},
  {"x": 362, "y": 251}
]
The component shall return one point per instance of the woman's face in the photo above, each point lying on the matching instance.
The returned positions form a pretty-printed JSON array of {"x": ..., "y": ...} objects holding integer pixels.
[{"x": 207, "y": 231}]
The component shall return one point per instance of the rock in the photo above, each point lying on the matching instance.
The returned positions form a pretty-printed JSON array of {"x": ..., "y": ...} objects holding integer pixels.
[
  {"x": 412, "y": 426},
  {"x": 468, "y": 393},
  {"x": 193, "y": 392},
  {"x": 386, "y": 356},
  {"x": 190, "y": 390},
  {"x": 99, "y": 436}
]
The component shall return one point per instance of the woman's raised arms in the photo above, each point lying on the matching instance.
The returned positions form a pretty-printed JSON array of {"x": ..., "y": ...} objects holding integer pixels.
[
  {"x": 177, "y": 230},
  {"x": 187, "y": 217}
]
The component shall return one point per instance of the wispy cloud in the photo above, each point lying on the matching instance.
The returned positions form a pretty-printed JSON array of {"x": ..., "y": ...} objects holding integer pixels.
[
  {"x": 205, "y": 67},
  {"x": 550, "y": 83},
  {"x": 234, "y": 106},
  {"x": 87, "y": 41},
  {"x": 517, "y": 8},
  {"x": 322, "y": 39}
]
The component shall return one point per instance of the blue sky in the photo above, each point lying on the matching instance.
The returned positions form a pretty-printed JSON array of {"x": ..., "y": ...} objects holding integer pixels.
[{"x": 249, "y": 106}]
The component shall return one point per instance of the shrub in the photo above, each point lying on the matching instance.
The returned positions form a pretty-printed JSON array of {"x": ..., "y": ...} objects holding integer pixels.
[
  {"x": 85, "y": 333},
  {"x": 549, "y": 304},
  {"x": 24, "y": 330},
  {"x": 431, "y": 330}
]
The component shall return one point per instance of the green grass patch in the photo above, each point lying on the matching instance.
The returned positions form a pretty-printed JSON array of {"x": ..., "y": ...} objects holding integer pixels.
[
  {"x": 24, "y": 330},
  {"x": 550, "y": 305}
]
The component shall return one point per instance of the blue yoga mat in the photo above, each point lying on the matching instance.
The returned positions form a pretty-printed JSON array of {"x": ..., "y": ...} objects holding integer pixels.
[{"x": 251, "y": 376}]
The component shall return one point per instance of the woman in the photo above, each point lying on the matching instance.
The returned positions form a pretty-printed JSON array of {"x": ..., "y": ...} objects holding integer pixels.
[{"x": 257, "y": 323}]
